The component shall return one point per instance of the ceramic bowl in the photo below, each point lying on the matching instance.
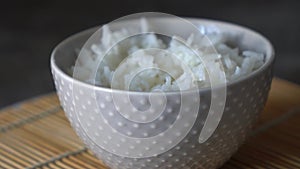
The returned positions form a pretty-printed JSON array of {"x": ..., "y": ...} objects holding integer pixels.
[{"x": 170, "y": 139}]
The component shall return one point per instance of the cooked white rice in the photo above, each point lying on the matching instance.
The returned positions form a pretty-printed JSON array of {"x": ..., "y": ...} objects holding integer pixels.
[{"x": 147, "y": 63}]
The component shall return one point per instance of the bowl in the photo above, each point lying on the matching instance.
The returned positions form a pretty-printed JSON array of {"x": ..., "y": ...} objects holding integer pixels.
[{"x": 177, "y": 137}]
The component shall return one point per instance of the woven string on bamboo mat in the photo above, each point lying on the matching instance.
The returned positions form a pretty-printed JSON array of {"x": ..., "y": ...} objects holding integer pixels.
[{"x": 36, "y": 134}]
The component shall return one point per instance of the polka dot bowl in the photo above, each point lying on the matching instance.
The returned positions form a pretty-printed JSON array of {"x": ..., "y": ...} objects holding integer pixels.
[{"x": 133, "y": 135}]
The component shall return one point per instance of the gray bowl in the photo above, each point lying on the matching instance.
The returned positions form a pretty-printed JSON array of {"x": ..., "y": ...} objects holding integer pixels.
[{"x": 123, "y": 143}]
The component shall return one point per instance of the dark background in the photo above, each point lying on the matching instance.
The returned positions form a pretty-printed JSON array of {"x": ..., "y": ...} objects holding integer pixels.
[{"x": 29, "y": 30}]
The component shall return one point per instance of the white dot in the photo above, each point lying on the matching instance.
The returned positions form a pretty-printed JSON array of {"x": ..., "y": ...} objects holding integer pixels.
[
  {"x": 93, "y": 95},
  {"x": 178, "y": 134},
  {"x": 152, "y": 110},
  {"x": 143, "y": 117},
  {"x": 135, "y": 125},
  {"x": 142, "y": 101},
  {"x": 89, "y": 102},
  {"x": 108, "y": 98},
  {"x": 161, "y": 118},
  {"x": 102, "y": 105},
  {"x": 129, "y": 133},
  {"x": 187, "y": 109},
  {"x": 70, "y": 87},
  {"x": 169, "y": 110},
  {"x": 194, "y": 132},
  {"x": 120, "y": 124},
  {"x": 153, "y": 126},
  {"x": 110, "y": 113},
  {"x": 216, "y": 135},
  {"x": 134, "y": 110},
  {"x": 64, "y": 103},
  {"x": 186, "y": 125}
]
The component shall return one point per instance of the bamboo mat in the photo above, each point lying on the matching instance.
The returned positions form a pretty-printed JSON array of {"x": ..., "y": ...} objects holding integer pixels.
[{"x": 36, "y": 134}]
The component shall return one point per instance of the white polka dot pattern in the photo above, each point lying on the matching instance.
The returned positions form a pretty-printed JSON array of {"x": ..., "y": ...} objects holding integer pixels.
[{"x": 244, "y": 103}]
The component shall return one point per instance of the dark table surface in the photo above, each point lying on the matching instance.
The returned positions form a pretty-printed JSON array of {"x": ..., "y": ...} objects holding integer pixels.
[{"x": 30, "y": 29}]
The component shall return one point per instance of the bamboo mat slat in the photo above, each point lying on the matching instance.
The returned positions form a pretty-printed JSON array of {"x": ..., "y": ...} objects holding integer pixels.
[{"x": 36, "y": 134}]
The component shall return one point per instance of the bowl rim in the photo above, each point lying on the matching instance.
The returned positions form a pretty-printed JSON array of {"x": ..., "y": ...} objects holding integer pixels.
[{"x": 266, "y": 65}]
